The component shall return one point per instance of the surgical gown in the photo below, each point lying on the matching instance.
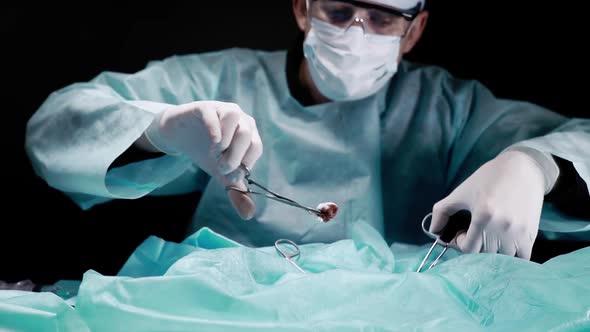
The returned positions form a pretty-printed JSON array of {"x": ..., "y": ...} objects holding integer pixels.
[{"x": 384, "y": 160}]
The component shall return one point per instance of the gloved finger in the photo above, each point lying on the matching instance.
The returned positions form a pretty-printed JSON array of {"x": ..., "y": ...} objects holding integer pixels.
[
  {"x": 507, "y": 248},
  {"x": 208, "y": 117},
  {"x": 490, "y": 243},
  {"x": 473, "y": 240},
  {"x": 524, "y": 248},
  {"x": 232, "y": 157},
  {"x": 460, "y": 237},
  {"x": 255, "y": 150},
  {"x": 442, "y": 211},
  {"x": 242, "y": 203},
  {"x": 229, "y": 117}
]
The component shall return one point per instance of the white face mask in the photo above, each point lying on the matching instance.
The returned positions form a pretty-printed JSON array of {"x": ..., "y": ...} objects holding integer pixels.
[{"x": 348, "y": 65}]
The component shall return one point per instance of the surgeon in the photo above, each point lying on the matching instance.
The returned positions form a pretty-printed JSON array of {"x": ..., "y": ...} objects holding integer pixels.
[{"x": 340, "y": 117}]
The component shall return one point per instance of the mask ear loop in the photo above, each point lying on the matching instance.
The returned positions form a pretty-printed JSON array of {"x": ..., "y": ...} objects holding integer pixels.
[{"x": 408, "y": 30}]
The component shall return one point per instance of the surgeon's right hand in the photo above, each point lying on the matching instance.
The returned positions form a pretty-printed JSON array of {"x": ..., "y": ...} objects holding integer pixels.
[{"x": 217, "y": 136}]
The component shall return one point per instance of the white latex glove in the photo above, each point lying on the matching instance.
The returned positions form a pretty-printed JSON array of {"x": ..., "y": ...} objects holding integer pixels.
[
  {"x": 505, "y": 197},
  {"x": 217, "y": 137}
]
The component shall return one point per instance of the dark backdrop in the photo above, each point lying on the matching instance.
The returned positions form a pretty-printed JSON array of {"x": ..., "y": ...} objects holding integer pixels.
[{"x": 518, "y": 49}]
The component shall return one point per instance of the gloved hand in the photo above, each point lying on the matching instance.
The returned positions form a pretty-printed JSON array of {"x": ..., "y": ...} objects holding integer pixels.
[
  {"x": 217, "y": 137},
  {"x": 505, "y": 197}
]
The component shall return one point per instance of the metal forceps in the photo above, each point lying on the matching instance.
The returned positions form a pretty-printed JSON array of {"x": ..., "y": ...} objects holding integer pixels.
[
  {"x": 272, "y": 195},
  {"x": 457, "y": 223},
  {"x": 289, "y": 255}
]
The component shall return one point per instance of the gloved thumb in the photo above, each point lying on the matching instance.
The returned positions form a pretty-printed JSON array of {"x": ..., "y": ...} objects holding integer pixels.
[
  {"x": 240, "y": 201},
  {"x": 459, "y": 242}
]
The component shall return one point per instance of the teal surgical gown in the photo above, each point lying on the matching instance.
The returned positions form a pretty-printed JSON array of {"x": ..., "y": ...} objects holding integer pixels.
[{"x": 385, "y": 160}]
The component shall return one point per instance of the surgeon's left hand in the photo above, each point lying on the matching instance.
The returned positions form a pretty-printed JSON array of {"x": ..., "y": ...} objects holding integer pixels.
[{"x": 505, "y": 197}]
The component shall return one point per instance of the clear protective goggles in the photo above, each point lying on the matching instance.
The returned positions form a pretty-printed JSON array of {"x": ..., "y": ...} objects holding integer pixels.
[{"x": 373, "y": 19}]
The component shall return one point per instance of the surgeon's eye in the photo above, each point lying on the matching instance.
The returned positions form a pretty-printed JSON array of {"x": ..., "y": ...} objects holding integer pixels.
[
  {"x": 381, "y": 19},
  {"x": 339, "y": 15}
]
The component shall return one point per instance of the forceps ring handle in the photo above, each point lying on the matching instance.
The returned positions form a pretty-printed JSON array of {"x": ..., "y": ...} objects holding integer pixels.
[
  {"x": 287, "y": 255},
  {"x": 459, "y": 222}
]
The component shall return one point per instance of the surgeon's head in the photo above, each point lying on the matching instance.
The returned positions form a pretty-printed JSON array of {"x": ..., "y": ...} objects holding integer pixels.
[{"x": 352, "y": 48}]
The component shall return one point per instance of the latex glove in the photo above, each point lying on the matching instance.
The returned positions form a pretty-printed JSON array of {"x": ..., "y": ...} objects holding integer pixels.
[
  {"x": 217, "y": 136},
  {"x": 505, "y": 197}
]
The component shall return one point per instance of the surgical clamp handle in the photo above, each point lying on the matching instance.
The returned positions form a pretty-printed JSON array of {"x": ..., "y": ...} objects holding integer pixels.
[
  {"x": 289, "y": 256},
  {"x": 459, "y": 222},
  {"x": 273, "y": 195}
]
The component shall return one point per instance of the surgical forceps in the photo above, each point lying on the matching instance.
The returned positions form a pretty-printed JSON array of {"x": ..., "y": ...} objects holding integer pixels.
[
  {"x": 272, "y": 195},
  {"x": 289, "y": 255},
  {"x": 459, "y": 222}
]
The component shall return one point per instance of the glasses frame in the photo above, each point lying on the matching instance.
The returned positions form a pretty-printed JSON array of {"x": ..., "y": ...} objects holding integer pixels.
[{"x": 408, "y": 14}]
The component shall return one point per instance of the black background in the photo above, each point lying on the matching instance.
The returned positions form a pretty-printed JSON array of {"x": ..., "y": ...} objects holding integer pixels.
[{"x": 519, "y": 49}]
